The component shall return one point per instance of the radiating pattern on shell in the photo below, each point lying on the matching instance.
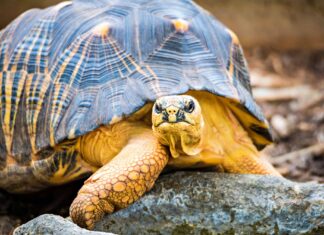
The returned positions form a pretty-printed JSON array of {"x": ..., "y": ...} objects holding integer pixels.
[{"x": 67, "y": 69}]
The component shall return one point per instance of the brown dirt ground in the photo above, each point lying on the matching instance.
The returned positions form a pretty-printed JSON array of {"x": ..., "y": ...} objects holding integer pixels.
[{"x": 303, "y": 115}]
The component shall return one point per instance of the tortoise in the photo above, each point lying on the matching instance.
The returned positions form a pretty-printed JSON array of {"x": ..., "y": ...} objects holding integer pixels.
[{"x": 122, "y": 90}]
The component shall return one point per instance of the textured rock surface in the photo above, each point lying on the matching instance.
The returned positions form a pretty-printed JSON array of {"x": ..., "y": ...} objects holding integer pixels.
[
  {"x": 211, "y": 203},
  {"x": 53, "y": 224},
  {"x": 204, "y": 203}
]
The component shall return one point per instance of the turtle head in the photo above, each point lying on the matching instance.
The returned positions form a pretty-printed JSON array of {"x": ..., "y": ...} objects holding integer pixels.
[{"x": 178, "y": 123}]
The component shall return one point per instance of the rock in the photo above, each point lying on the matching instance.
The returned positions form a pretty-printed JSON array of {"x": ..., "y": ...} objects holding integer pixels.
[
  {"x": 53, "y": 224},
  {"x": 213, "y": 203},
  {"x": 210, "y": 203},
  {"x": 280, "y": 125}
]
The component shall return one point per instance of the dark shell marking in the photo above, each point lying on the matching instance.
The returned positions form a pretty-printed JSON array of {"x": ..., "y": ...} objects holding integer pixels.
[
  {"x": 56, "y": 168},
  {"x": 69, "y": 68}
]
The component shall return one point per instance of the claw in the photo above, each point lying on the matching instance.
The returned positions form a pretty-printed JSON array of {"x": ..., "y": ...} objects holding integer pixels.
[{"x": 86, "y": 209}]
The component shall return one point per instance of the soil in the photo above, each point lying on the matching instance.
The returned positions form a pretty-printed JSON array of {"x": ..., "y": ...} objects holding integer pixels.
[
  {"x": 303, "y": 115},
  {"x": 297, "y": 122}
]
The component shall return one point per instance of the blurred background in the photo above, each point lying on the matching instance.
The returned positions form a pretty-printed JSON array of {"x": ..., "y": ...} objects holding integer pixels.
[
  {"x": 283, "y": 41},
  {"x": 276, "y": 24}
]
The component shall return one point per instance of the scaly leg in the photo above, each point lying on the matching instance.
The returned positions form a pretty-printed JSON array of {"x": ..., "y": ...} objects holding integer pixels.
[
  {"x": 239, "y": 152},
  {"x": 241, "y": 156},
  {"x": 121, "y": 181},
  {"x": 244, "y": 161}
]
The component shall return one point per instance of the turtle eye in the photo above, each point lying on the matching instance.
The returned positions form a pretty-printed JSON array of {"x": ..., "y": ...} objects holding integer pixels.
[
  {"x": 190, "y": 107},
  {"x": 158, "y": 108}
]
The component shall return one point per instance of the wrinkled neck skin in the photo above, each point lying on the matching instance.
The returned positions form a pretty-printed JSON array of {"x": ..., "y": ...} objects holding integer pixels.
[{"x": 182, "y": 141}]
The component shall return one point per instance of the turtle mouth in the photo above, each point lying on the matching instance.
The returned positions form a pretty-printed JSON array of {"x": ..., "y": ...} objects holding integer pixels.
[
  {"x": 174, "y": 120},
  {"x": 173, "y": 123}
]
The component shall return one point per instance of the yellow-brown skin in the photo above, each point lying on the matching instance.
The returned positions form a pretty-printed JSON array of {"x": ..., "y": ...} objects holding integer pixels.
[
  {"x": 123, "y": 180},
  {"x": 132, "y": 156}
]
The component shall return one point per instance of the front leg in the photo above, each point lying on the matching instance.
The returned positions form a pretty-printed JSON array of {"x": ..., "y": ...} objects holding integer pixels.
[
  {"x": 121, "y": 181},
  {"x": 245, "y": 161},
  {"x": 205, "y": 158}
]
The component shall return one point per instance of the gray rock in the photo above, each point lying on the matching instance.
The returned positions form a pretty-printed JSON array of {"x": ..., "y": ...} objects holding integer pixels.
[
  {"x": 213, "y": 203},
  {"x": 53, "y": 225}
]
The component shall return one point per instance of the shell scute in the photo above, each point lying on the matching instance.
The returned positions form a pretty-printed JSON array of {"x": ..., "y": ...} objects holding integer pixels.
[{"x": 82, "y": 64}]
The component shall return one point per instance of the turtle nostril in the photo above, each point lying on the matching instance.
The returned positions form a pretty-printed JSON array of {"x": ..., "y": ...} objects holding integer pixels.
[{"x": 171, "y": 111}]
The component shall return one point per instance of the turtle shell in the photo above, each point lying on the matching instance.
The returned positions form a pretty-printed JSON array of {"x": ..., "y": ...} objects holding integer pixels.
[{"x": 70, "y": 68}]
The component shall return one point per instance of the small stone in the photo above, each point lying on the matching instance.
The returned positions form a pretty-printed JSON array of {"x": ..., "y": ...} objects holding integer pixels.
[
  {"x": 280, "y": 125},
  {"x": 53, "y": 224}
]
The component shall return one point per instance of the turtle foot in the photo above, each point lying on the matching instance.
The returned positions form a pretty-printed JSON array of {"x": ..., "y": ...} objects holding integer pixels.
[{"x": 87, "y": 209}]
